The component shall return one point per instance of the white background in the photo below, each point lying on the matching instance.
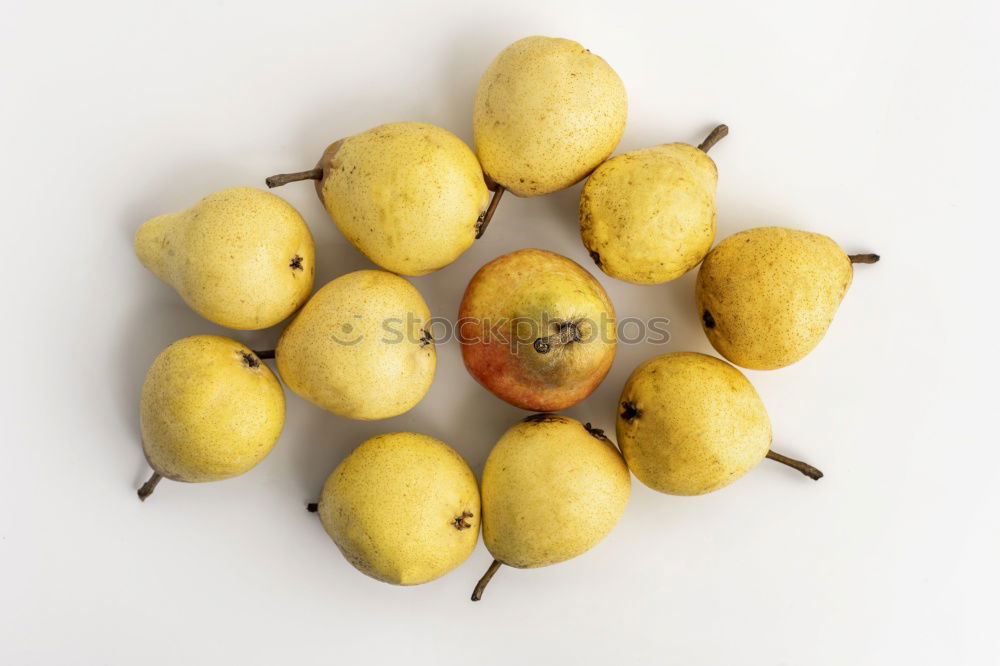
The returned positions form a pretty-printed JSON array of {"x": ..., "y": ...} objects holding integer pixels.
[{"x": 874, "y": 123}]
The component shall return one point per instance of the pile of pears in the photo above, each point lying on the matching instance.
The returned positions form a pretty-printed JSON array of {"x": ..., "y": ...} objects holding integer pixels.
[{"x": 536, "y": 329}]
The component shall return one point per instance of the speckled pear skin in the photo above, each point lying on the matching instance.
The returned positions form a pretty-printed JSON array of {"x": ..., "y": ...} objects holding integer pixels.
[
  {"x": 403, "y": 508},
  {"x": 648, "y": 216},
  {"x": 767, "y": 296},
  {"x": 407, "y": 195},
  {"x": 689, "y": 424},
  {"x": 210, "y": 410},
  {"x": 547, "y": 112},
  {"x": 360, "y": 347},
  {"x": 241, "y": 257},
  {"x": 551, "y": 491},
  {"x": 516, "y": 295}
]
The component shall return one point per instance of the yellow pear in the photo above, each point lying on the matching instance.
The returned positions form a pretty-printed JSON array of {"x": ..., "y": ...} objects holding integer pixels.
[
  {"x": 409, "y": 196},
  {"x": 689, "y": 424},
  {"x": 648, "y": 216},
  {"x": 767, "y": 296},
  {"x": 210, "y": 410},
  {"x": 360, "y": 347},
  {"x": 547, "y": 112},
  {"x": 241, "y": 258},
  {"x": 552, "y": 489},
  {"x": 403, "y": 508}
]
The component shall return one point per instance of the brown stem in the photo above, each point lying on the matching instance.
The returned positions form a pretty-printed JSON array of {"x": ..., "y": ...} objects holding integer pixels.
[
  {"x": 713, "y": 138},
  {"x": 477, "y": 593},
  {"x": 285, "y": 178},
  {"x": 267, "y": 353},
  {"x": 568, "y": 332},
  {"x": 484, "y": 221},
  {"x": 147, "y": 488},
  {"x": 312, "y": 507},
  {"x": 805, "y": 468},
  {"x": 863, "y": 258}
]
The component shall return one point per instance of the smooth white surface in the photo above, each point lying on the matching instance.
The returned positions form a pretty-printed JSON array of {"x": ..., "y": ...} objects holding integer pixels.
[{"x": 871, "y": 122}]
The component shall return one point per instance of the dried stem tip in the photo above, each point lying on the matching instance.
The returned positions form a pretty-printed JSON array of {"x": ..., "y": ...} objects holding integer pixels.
[
  {"x": 147, "y": 488},
  {"x": 713, "y": 138},
  {"x": 487, "y": 215},
  {"x": 285, "y": 178},
  {"x": 568, "y": 331},
  {"x": 863, "y": 258},
  {"x": 477, "y": 593},
  {"x": 805, "y": 468}
]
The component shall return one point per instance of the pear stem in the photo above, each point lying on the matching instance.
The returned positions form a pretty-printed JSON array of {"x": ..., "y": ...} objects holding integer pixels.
[
  {"x": 805, "y": 468},
  {"x": 312, "y": 507},
  {"x": 863, "y": 258},
  {"x": 484, "y": 221},
  {"x": 713, "y": 138},
  {"x": 568, "y": 332},
  {"x": 147, "y": 488},
  {"x": 267, "y": 353},
  {"x": 285, "y": 178},
  {"x": 477, "y": 593}
]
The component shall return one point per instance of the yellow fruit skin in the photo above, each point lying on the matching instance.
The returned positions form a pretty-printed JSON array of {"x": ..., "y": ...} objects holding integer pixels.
[
  {"x": 689, "y": 424},
  {"x": 407, "y": 195},
  {"x": 547, "y": 112},
  {"x": 403, "y": 508},
  {"x": 241, "y": 257},
  {"x": 355, "y": 349},
  {"x": 648, "y": 216},
  {"x": 210, "y": 410},
  {"x": 770, "y": 294},
  {"x": 551, "y": 491}
]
